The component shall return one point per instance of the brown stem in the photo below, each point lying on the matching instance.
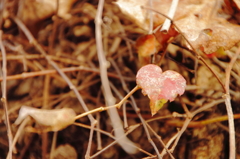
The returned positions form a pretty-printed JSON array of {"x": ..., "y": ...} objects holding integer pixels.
[
  {"x": 232, "y": 140},
  {"x": 4, "y": 95}
]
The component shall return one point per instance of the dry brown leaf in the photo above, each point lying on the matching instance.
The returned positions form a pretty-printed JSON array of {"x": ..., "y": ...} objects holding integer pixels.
[
  {"x": 192, "y": 17},
  {"x": 146, "y": 45}
]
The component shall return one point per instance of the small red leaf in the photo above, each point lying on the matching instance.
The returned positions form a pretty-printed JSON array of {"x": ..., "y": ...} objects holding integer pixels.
[{"x": 159, "y": 87}]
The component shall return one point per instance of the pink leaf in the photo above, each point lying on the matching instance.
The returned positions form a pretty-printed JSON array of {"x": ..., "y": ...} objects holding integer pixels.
[
  {"x": 148, "y": 78},
  {"x": 172, "y": 84},
  {"x": 159, "y": 87}
]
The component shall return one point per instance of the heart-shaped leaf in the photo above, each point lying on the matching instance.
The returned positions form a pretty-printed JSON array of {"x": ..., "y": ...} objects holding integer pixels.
[{"x": 159, "y": 86}]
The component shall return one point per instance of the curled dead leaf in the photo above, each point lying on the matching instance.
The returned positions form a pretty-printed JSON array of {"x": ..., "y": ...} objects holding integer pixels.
[{"x": 54, "y": 120}]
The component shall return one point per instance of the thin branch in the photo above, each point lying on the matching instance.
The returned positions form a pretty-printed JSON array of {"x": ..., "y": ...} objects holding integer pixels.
[
  {"x": 110, "y": 100},
  {"x": 199, "y": 124},
  {"x": 232, "y": 140},
  {"x": 46, "y": 72},
  {"x": 111, "y": 136},
  {"x": 161, "y": 141},
  {"x": 2, "y": 8},
  {"x": 184, "y": 127},
  {"x": 188, "y": 120},
  {"x": 116, "y": 141},
  {"x": 167, "y": 22},
  {"x": 93, "y": 124},
  {"x": 53, "y": 147},
  {"x": 18, "y": 133},
  {"x": 150, "y": 14},
  {"x": 99, "y": 141},
  {"x": 4, "y": 95},
  {"x": 100, "y": 109},
  {"x": 207, "y": 106},
  {"x": 169, "y": 143},
  {"x": 45, "y": 106}
]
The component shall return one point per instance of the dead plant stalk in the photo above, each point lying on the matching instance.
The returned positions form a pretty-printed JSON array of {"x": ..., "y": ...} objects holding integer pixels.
[
  {"x": 232, "y": 142},
  {"x": 4, "y": 95},
  {"x": 109, "y": 98}
]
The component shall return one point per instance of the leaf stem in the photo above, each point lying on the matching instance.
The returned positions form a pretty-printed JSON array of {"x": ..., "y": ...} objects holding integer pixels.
[
  {"x": 232, "y": 140},
  {"x": 118, "y": 105}
]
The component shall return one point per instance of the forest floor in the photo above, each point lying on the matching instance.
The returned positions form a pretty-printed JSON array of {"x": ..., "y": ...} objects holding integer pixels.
[{"x": 46, "y": 69}]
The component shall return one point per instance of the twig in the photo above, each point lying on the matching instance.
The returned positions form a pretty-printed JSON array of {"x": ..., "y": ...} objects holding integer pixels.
[
  {"x": 223, "y": 65},
  {"x": 131, "y": 128},
  {"x": 18, "y": 133},
  {"x": 125, "y": 115},
  {"x": 4, "y": 95},
  {"x": 160, "y": 140},
  {"x": 99, "y": 141},
  {"x": 45, "y": 72},
  {"x": 45, "y": 106},
  {"x": 116, "y": 141},
  {"x": 162, "y": 57},
  {"x": 184, "y": 127},
  {"x": 188, "y": 113},
  {"x": 207, "y": 106},
  {"x": 227, "y": 129},
  {"x": 19, "y": 49},
  {"x": 125, "y": 124},
  {"x": 150, "y": 13},
  {"x": 232, "y": 142},
  {"x": 167, "y": 22},
  {"x": 2, "y": 8},
  {"x": 100, "y": 109},
  {"x": 111, "y": 136},
  {"x": 194, "y": 124},
  {"x": 53, "y": 147},
  {"x": 169, "y": 143},
  {"x": 93, "y": 124},
  {"x": 110, "y": 100},
  {"x": 98, "y": 118},
  {"x": 188, "y": 120}
]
